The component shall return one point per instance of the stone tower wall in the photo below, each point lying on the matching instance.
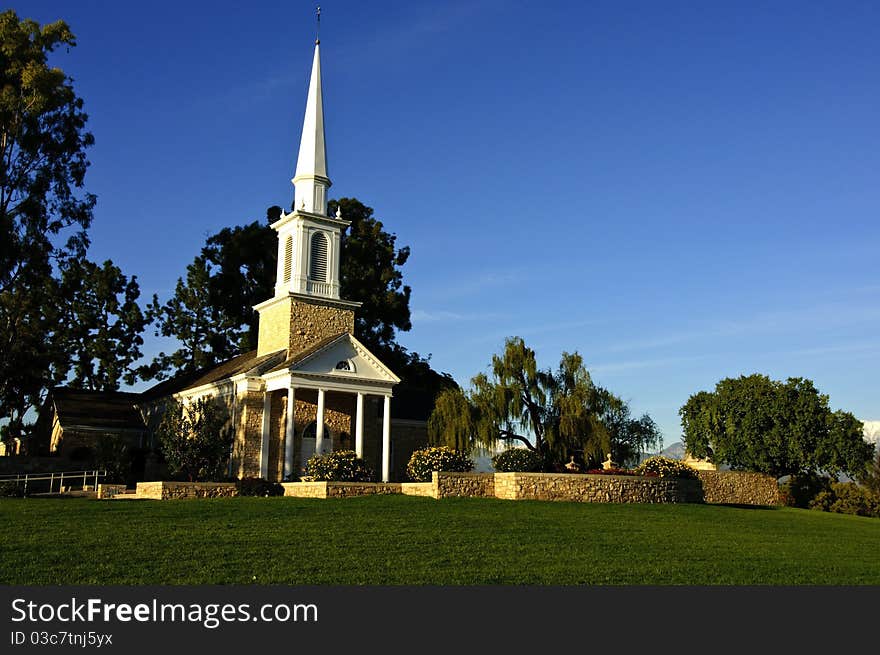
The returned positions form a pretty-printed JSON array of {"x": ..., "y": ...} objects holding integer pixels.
[{"x": 297, "y": 324}]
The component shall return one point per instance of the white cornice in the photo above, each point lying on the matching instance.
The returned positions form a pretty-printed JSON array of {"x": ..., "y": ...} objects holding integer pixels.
[
  {"x": 309, "y": 216},
  {"x": 333, "y": 302}
]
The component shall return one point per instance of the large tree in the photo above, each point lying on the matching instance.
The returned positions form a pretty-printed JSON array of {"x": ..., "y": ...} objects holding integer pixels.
[
  {"x": 189, "y": 317},
  {"x": 103, "y": 323},
  {"x": 46, "y": 326},
  {"x": 43, "y": 214},
  {"x": 779, "y": 428},
  {"x": 44, "y": 218},
  {"x": 555, "y": 413}
]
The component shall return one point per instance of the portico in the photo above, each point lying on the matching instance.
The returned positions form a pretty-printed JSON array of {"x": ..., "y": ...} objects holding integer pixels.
[{"x": 341, "y": 365}]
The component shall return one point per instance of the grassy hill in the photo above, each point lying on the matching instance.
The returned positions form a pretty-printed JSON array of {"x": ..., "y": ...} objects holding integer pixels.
[{"x": 399, "y": 540}]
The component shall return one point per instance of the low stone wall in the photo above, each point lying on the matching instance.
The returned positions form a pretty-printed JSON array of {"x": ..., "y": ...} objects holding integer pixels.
[
  {"x": 110, "y": 490},
  {"x": 728, "y": 487},
  {"x": 305, "y": 489},
  {"x": 739, "y": 488},
  {"x": 426, "y": 489},
  {"x": 595, "y": 488},
  {"x": 449, "y": 485},
  {"x": 338, "y": 489},
  {"x": 177, "y": 490}
]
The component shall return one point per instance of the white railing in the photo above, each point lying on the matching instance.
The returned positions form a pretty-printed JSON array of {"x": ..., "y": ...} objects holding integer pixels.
[
  {"x": 320, "y": 288},
  {"x": 84, "y": 479}
]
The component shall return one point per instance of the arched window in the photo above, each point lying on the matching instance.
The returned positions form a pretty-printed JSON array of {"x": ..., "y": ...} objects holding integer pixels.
[
  {"x": 318, "y": 259},
  {"x": 311, "y": 431},
  {"x": 343, "y": 365},
  {"x": 288, "y": 258}
]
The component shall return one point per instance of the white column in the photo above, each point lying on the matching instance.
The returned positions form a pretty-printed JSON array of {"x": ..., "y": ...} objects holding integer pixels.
[
  {"x": 319, "y": 427},
  {"x": 386, "y": 441},
  {"x": 264, "y": 444},
  {"x": 359, "y": 426},
  {"x": 288, "y": 432}
]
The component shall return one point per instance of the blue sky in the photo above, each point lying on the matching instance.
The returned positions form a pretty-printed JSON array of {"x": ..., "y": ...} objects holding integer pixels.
[{"x": 679, "y": 191}]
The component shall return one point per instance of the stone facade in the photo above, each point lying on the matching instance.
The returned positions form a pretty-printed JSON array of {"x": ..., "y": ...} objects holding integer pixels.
[
  {"x": 179, "y": 490},
  {"x": 595, "y": 488},
  {"x": 296, "y": 325},
  {"x": 277, "y": 428},
  {"x": 248, "y": 434},
  {"x": 739, "y": 488}
]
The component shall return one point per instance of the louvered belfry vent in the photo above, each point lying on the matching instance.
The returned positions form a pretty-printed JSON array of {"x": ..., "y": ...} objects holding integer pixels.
[
  {"x": 318, "y": 259},
  {"x": 288, "y": 258}
]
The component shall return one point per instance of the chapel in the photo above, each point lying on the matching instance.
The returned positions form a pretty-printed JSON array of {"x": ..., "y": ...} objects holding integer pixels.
[{"x": 309, "y": 388}]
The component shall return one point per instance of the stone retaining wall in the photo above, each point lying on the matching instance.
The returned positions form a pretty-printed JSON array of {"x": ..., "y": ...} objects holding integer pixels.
[
  {"x": 110, "y": 490},
  {"x": 426, "y": 489},
  {"x": 712, "y": 487},
  {"x": 739, "y": 488},
  {"x": 338, "y": 489},
  {"x": 595, "y": 488},
  {"x": 176, "y": 490},
  {"x": 448, "y": 485}
]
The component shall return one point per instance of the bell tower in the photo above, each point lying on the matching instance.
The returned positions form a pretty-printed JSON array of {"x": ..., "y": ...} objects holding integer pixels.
[{"x": 306, "y": 307}]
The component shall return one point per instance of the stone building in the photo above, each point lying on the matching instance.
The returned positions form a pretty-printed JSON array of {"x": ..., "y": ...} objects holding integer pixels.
[{"x": 307, "y": 357}]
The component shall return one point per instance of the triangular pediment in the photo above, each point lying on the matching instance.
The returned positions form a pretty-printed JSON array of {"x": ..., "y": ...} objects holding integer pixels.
[{"x": 345, "y": 358}]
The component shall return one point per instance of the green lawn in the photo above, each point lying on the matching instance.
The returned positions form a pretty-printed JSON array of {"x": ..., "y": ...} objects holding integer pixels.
[{"x": 399, "y": 540}]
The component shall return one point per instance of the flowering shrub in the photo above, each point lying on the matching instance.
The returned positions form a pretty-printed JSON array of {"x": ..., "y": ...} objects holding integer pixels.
[
  {"x": 517, "y": 459},
  {"x": 436, "y": 458},
  {"x": 259, "y": 487},
  {"x": 339, "y": 466},
  {"x": 665, "y": 467}
]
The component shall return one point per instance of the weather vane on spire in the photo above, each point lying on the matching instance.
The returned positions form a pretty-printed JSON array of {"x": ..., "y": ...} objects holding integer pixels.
[{"x": 318, "y": 28}]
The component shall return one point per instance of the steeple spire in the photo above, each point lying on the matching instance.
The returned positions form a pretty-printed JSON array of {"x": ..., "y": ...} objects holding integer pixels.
[{"x": 311, "y": 181}]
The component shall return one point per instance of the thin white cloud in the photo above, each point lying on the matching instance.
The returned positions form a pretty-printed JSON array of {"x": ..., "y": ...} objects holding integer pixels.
[
  {"x": 791, "y": 320},
  {"x": 864, "y": 347},
  {"x": 423, "y": 316},
  {"x": 630, "y": 365}
]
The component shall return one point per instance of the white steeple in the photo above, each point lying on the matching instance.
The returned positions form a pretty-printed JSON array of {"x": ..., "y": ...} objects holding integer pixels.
[
  {"x": 310, "y": 180},
  {"x": 310, "y": 241}
]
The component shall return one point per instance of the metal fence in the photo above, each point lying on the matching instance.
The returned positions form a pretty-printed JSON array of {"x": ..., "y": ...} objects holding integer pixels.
[{"x": 57, "y": 482}]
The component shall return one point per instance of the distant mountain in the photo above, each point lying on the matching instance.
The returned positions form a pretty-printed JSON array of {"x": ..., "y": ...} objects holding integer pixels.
[
  {"x": 675, "y": 451},
  {"x": 482, "y": 463},
  {"x": 872, "y": 431}
]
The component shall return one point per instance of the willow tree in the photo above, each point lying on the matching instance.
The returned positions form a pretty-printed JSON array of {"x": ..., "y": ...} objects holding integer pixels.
[{"x": 555, "y": 413}]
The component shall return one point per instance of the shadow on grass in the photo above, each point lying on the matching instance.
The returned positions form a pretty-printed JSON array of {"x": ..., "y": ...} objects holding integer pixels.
[{"x": 745, "y": 506}]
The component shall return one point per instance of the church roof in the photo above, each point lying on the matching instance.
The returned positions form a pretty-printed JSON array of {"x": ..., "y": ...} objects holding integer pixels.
[{"x": 100, "y": 410}]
